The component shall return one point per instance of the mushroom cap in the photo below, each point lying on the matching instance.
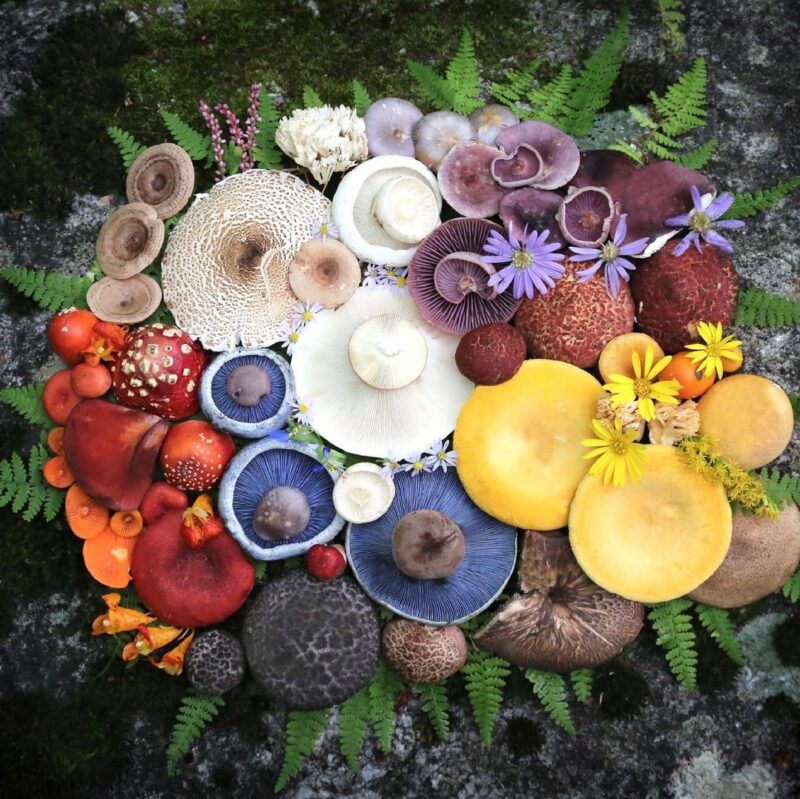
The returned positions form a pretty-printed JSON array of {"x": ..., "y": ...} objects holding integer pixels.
[
  {"x": 389, "y": 122},
  {"x": 355, "y": 416},
  {"x": 256, "y": 421},
  {"x": 607, "y": 168},
  {"x": 125, "y": 302},
  {"x": 585, "y": 216},
  {"x": 354, "y": 206},
  {"x": 763, "y": 554},
  {"x": 427, "y": 545},
  {"x": 422, "y": 654},
  {"x": 558, "y": 152},
  {"x": 437, "y": 133},
  {"x": 465, "y": 179},
  {"x": 325, "y": 272},
  {"x": 490, "y": 120},
  {"x": 225, "y": 270},
  {"x": 311, "y": 644},
  {"x": 562, "y": 621},
  {"x": 130, "y": 240},
  {"x": 491, "y": 354},
  {"x": 521, "y": 168},
  {"x": 490, "y": 552},
  {"x": 266, "y": 464},
  {"x": 215, "y": 662},
  {"x": 450, "y": 255},
  {"x": 361, "y": 494},
  {"x": 162, "y": 177},
  {"x": 654, "y": 539},
  {"x": 532, "y": 209}
]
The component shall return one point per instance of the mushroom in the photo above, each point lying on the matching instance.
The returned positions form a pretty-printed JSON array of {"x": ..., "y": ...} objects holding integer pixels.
[
  {"x": 125, "y": 302},
  {"x": 532, "y": 209},
  {"x": 130, "y": 240},
  {"x": 533, "y": 142},
  {"x": 437, "y": 133},
  {"x": 376, "y": 377},
  {"x": 361, "y": 494},
  {"x": 389, "y": 123},
  {"x": 162, "y": 177},
  {"x": 215, "y": 662},
  {"x": 433, "y": 557},
  {"x": 309, "y": 643},
  {"x": 561, "y": 621},
  {"x": 522, "y": 168},
  {"x": 466, "y": 181},
  {"x": 607, "y": 168},
  {"x": 763, "y": 554},
  {"x": 324, "y": 272},
  {"x": 275, "y": 499},
  {"x": 449, "y": 281},
  {"x": 585, "y": 216},
  {"x": 248, "y": 392},
  {"x": 422, "y": 654},
  {"x": 385, "y": 207},
  {"x": 225, "y": 270},
  {"x": 490, "y": 120}
]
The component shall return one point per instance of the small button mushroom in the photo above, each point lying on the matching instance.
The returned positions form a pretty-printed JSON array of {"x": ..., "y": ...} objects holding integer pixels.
[
  {"x": 407, "y": 209},
  {"x": 437, "y": 133},
  {"x": 420, "y": 653},
  {"x": 283, "y": 513},
  {"x": 361, "y": 494},
  {"x": 326, "y": 272},
  {"x": 426, "y": 545},
  {"x": 389, "y": 123},
  {"x": 490, "y": 120},
  {"x": 248, "y": 385}
]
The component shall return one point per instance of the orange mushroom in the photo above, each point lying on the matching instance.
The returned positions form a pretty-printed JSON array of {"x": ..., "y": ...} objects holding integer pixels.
[
  {"x": 86, "y": 517},
  {"x": 108, "y": 558},
  {"x": 57, "y": 472},
  {"x": 55, "y": 440},
  {"x": 127, "y": 523}
]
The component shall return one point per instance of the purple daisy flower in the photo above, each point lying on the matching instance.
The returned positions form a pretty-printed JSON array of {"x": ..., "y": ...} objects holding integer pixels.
[
  {"x": 533, "y": 265},
  {"x": 702, "y": 221},
  {"x": 609, "y": 255}
]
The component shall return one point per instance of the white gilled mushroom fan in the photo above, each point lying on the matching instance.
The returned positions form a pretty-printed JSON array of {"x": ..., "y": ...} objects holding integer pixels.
[
  {"x": 225, "y": 272},
  {"x": 376, "y": 377}
]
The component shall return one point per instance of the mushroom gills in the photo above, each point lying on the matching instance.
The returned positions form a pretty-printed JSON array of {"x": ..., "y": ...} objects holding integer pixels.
[
  {"x": 460, "y": 273},
  {"x": 361, "y": 494},
  {"x": 521, "y": 168},
  {"x": 427, "y": 545},
  {"x": 284, "y": 512},
  {"x": 407, "y": 209}
]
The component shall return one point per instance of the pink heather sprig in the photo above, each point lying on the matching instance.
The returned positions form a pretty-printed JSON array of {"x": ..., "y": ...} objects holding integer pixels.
[
  {"x": 234, "y": 128},
  {"x": 216, "y": 139},
  {"x": 253, "y": 118}
]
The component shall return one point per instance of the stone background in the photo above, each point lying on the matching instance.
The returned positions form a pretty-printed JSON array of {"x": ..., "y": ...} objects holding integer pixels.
[{"x": 73, "y": 722}]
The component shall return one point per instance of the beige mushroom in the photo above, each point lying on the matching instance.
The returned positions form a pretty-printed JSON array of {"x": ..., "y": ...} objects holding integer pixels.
[
  {"x": 163, "y": 177},
  {"x": 420, "y": 653},
  {"x": 325, "y": 272},
  {"x": 130, "y": 240},
  {"x": 225, "y": 270},
  {"x": 124, "y": 302},
  {"x": 362, "y": 494}
]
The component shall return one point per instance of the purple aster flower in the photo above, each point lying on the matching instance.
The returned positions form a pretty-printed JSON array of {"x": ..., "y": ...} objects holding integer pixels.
[
  {"x": 321, "y": 230},
  {"x": 533, "y": 265},
  {"x": 609, "y": 255},
  {"x": 702, "y": 221}
]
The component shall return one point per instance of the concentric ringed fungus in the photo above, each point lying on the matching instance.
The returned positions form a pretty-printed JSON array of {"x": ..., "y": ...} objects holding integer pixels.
[
  {"x": 162, "y": 177},
  {"x": 324, "y": 272},
  {"x": 130, "y": 240},
  {"x": 225, "y": 270},
  {"x": 125, "y": 302},
  {"x": 361, "y": 494}
]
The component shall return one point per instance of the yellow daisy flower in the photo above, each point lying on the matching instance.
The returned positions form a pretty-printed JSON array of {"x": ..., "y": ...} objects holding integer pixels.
[
  {"x": 714, "y": 349},
  {"x": 618, "y": 455},
  {"x": 641, "y": 389}
]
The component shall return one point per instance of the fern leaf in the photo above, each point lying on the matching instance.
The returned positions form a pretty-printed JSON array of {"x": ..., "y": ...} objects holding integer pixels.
[
  {"x": 699, "y": 156},
  {"x": 582, "y": 681},
  {"x": 310, "y": 98},
  {"x": 718, "y": 623},
  {"x": 464, "y": 78},
  {"x": 794, "y": 399},
  {"x": 628, "y": 149},
  {"x": 671, "y": 19},
  {"x": 383, "y": 690},
  {"x": 24, "y": 488},
  {"x": 129, "y": 148},
  {"x": 676, "y": 635},
  {"x": 548, "y": 100},
  {"x": 266, "y": 153},
  {"x": 304, "y": 728},
  {"x": 485, "y": 677},
  {"x": 361, "y": 99},
  {"x": 752, "y": 203},
  {"x": 682, "y": 107},
  {"x": 196, "y": 144},
  {"x": 436, "y": 704},
  {"x": 551, "y": 691},
  {"x": 516, "y": 84},
  {"x": 782, "y": 489},
  {"x": 51, "y": 290},
  {"x": 791, "y": 588},
  {"x": 27, "y": 402},
  {"x": 195, "y": 713},
  {"x": 435, "y": 89},
  {"x": 758, "y": 308},
  {"x": 353, "y": 722}
]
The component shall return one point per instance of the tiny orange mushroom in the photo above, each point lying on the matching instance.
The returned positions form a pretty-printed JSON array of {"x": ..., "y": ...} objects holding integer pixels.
[
  {"x": 108, "y": 558},
  {"x": 86, "y": 517},
  {"x": 57, "y": 472},
  {"x": 55, "y": 440},
  {"x": 127, "y": 523}
]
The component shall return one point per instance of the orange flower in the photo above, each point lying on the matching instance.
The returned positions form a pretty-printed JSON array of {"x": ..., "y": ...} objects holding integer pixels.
[
  {"x": 201, "y": 510},
  {"x": 148, "y": 639},
  {"x": 117, "y": 619},
  {"x": 172, "y": 662},
  {"x": 199, "y": 522}
]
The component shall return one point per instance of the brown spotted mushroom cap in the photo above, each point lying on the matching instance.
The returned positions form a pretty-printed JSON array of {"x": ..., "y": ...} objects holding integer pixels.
[
  {"x": 225, "y": 271},
  {"x": 130, "y": 240},
  {"x": 162, "y": 177},
  {"x": 124, "y": 302},
  {"x": 420, "y": 653}
]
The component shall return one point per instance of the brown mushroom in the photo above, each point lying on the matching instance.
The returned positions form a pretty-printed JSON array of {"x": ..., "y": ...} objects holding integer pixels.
[
  {"x": 763, "y": 554},
  {"x": 130, "y": 240},
  {"x": 426, "y": 545},
  {"x": 562, "y": 621},
  {"x": 326, "y": 272},
  {"x": 162, "y": 177},
  {"x": 124, "y": 302},
  {"x": 420, "y": 653}
]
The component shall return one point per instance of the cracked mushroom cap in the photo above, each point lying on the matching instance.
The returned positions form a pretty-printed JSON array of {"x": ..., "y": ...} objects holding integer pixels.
[
  {"x": 124, "y": 302},
  {"x": 162, "y": 177},
  {"x": 225, "y": 271},
  {"x": 420, "y": 653},
  {"x": 130, "y": 240},
  {"x": 311, "y": 644},
  {"x": 561, "y": 621}
]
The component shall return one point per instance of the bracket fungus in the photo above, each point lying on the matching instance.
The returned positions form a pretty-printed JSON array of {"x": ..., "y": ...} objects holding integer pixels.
[
  {"x": 534, "y": 143},
  {"x": 385, "y": 207},
  {"x": 561, "y": 621},
  {"x": 422, "y": 654},
  {"x": 248, "y": 392},
  {"x": 225, "y": 270},
  {"x": 433, "y": 557},
  {"x": 466, "y": 181},
  {"x": 124, "y": 302},
  {"x": 276, "y": 499},
  {"x": 161, "y": 177},
  {"x": 361, "y": 494},
  {"x": 437, "y": 133},
  {"x": 389, "y": 122},
  {"x": 130, "y": 240},
  {"x": 324, "y": 272}
]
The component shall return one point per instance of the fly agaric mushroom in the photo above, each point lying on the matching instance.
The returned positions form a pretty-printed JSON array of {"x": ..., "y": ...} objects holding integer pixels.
[
  {"x": 361, "y": 494},
  {"x": 585, "y": 216},
  {"x": 324, "y": 272},
  {"x": 194, "y": 455},
  {"x": 389, "y": 123},
  {"x": 130, "y": 240},
  {"x": 561, "y": 621},
  {"x": 161, "y": 177},
  {"x": 433, "y": 557},
  {"x": 466, "y": 180},
  {"x": 490, "y": 120},
  {"x": 437, "y": 133},
  {"x": 225, "y": 270},
  {"x": 422, "y": 654},
  {"x": 124, "y": 302},
  {"x": 385, "y": 207},
  {"x": 376, "y": 377}
]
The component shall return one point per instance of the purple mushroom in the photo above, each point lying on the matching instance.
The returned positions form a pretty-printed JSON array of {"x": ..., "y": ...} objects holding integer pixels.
[
  {"x": 522, "y": 168},
  {"x": 466, "y": 182},
  {"x": 389, "y": 123},
  {"x": 437, "y": 133},
  {"x": 490, "y": 120},
  {"x": 532, "y": 209},
  {"x": 558, "y": 152},
  {"x": 607, "y": 168},
  {"x": 585, "y": 216}
]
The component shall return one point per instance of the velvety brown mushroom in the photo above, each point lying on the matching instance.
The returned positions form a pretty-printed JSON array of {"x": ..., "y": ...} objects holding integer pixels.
[
  {"x": 129, "y": 240},
  {"x": 561, "y": 621},
  {"x": 124, "y": 302},
  {"x": 420, "y": 653},
  {"x": 162, "y": 177},
  {"x": 326, "y": 272}
]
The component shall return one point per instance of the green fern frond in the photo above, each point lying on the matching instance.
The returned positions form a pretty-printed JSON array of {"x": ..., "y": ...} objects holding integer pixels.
[
  {"x": 699, "y": 156},
  {"x": 310, "y": 98},
  {"x": 671, "y": 19},
  {"x": 791, "y": 588},
  {"x": 260, "y": 568},
  {"x": 436, "y": 704},
  {"x": 383, "y": 690},
  {"x": 633, "y": 152},
  {"x": 361, "y": 99},
  {"x": 582, "y": 681},
  {"x": 795, "y": 400},
  {"x": 674, "y": 631},
  {"x": 485, "y": 677},
  {"x": 27, "y": 402},
  {"x": 551, "y": 690},
  {"x": 195, "y": 713},
  {"x": 232, "y": 156},
  {"x": 128, "y": 147},
  {"x": 758, "y": 308},
  {"x": 752, "y": 203},
  {"x": 304, "y": 728},
  {"x": 196, "y": 144},
  {"x": 266, "y": 153},
  {"x": 435, "y": 89},
  {"x": 353, "y": 722},
  {"x": 51, "y": 290},
  {"x": 718, "y": 623},
  {"x": 782, "y": 489},
  {"x": 682, "y": 108},
  {"x": 464, "y": 78},
  {"x": 516, "y": 85},
  {"x": 547, "y": 102},
  {"x": 24, "y": 487}
]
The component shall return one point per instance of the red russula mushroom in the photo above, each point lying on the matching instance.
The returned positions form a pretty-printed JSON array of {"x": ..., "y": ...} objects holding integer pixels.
[
  {"x": 59, "y": 397},
  {"x": 491, "y": 354},
  {"x": 70, "y": 333},
  {"x": 194, "y": 455},
  {"x": 161, "y": 498}
]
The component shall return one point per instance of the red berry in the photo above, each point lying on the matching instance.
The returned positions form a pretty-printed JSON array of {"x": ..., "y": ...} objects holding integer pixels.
[
  {"x": 326, "y": 562},
  {"x": 70, "y": 333},
  {"x": 58, "y": 397},
  {"x": 195, "y": 455}
]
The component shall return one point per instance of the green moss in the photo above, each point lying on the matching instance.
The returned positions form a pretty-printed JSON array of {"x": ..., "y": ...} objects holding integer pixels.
[{"x": 786, "y": 640}]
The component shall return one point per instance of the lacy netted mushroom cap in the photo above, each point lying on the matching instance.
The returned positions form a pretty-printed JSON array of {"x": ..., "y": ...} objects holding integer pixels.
[
  {"x": 311, "y": 644},
  {"x": 225, "y": 271}
]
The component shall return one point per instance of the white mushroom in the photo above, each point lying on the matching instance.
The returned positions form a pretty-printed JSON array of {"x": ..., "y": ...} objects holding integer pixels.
[{"x": 361, "y": 495}]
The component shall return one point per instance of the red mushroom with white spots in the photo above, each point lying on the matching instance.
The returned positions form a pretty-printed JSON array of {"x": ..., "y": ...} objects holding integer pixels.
[{"x": 195, "y": 455}]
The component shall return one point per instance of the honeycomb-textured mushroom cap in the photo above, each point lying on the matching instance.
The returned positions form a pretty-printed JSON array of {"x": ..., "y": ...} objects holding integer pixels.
[
  {"x": 215, "y": 662},
  {"x": 420, "y": 653},
  {"x": 311, "y": 644},
  {"x": 225, "y": 271}
]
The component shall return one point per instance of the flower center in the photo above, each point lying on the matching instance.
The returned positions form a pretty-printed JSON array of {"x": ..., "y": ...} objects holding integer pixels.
[
  {"x": 714, "y": 349},
  {"x": 609, "y": 251},
  {"x": 324, "y": 229},
  {"x": 619, "y": 444},
  {"x": 521, "y": 259},
  {"x": 700, "y": 222},
  {"x": 641, "y": 387}
]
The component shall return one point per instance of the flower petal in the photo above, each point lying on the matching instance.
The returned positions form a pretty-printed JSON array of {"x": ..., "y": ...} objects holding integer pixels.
[{"x": 720, "y": 205}]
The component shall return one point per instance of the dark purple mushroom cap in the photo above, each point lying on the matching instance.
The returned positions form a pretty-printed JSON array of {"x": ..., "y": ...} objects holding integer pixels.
[
  {"x": 466, "y": 182},
  {"x": 389, "y": 123},
  {"x": 522, "y": 168},
  {"x": 585, "y": 216},
  {"x": 559, "y": 153},
  {"x": 437, "y": 133},
  {"x": 607, "y": 168},
  {"x": 532, "y": 209},
  {"x": 434, "y": 285},
  {"x": 490, "y": 120}
]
